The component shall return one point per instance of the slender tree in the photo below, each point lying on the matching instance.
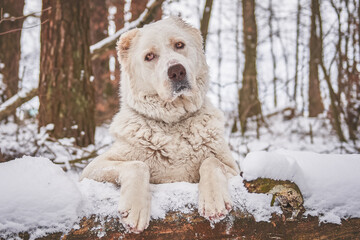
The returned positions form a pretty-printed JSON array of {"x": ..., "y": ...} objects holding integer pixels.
[
  {"x": 249, "y": 104},
  {"x": 113, "y": 86},
  {"x": 10, "y": 30},
  {"x": 316, "y": 105},
  {"x": 335, "y": 102},
  {"x": 298, "y": 16},
  {"x": 271, "y": 34},
  {"x": 237, "y": 43},
  {"x": 65, "y": 91},
  {"x": 100, "y": 66},
  {"x": 204, "y": 23},
  {"x": 219, "y": 50}
]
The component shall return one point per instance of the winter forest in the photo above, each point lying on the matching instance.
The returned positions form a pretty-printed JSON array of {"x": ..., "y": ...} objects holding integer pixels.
[{"x": 284, "y": 73}]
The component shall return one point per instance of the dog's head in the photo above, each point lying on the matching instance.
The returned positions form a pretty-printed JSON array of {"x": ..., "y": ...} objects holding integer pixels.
[{"x": 164, "y": 70}]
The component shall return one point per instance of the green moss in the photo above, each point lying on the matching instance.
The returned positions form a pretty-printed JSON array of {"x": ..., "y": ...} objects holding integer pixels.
[{"x": 264, "y": 185}]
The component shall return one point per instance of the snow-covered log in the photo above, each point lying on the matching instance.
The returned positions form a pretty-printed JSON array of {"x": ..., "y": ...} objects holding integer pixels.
[
  {"x": 237, "y": 226},
  {"x": 16, "y": 101},
  {"x": 110, "y": 42},
  {"x": 315, "y": 198}
]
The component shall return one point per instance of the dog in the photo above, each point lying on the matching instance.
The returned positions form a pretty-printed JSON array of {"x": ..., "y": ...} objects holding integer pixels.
[{"x": 166, "y": 130}]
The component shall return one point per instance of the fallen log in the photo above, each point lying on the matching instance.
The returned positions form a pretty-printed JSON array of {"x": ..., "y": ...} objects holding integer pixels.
[{"x": 238, "y": 225}]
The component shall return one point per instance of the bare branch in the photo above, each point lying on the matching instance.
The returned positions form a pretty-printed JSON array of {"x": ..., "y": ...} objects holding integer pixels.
[
  {"x": 20, "y": 29},
  {"x": 12, "y": 18},
  {"x": 16, "y": 101}
]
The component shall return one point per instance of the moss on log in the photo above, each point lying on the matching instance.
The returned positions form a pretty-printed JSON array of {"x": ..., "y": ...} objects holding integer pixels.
[{"x": 286, "y": 193}]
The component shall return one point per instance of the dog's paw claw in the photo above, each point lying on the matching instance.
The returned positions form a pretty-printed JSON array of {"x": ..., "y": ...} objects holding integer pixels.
[
  {"x": 124, "y": 214},
  {"x": 228, "y": 206}
]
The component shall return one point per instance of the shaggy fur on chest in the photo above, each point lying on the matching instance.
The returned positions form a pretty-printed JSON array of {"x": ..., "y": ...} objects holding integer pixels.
[{"x": 173, "y": 151}]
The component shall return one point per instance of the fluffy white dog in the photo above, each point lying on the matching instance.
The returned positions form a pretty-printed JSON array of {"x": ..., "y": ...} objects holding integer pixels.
[{"x": 167, "y": 130}]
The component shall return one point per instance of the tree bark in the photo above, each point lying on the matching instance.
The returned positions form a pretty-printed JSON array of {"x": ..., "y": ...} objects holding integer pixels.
[
  {"x": 204, "y": 23},
  {"x": 249, "y": 104},
  {"x": 273, "y": 57},
  {"x": 106, "y": 94},
  {"x": 119, "y": 24},
  {"x": 220, "y": 55},
  {"x": 316, "y": 105},
  {"x": 109, "y": 43},
  {"x": 298, "y": 15},
  {"x": 137, "y": 7},
  {"x": 10, "y": 45},
  {"x": 335, "y": 101},
  {"x": 119, "y": 20},
  {"x": 65, "y": 91}
]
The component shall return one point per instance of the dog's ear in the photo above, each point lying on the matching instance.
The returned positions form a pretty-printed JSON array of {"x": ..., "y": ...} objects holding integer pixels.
[{"x": 124, "y": 44}]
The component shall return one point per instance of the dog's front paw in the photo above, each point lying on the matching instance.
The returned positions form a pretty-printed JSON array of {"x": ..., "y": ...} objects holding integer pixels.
[
  {"x": 135, "y": 212},
  {"x": 214, "y": 204}
]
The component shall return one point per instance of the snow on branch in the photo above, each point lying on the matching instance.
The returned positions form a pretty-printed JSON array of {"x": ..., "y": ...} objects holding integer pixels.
[
  {"x": 16, "y": 101},
  {"x": 110, "y": 42}
]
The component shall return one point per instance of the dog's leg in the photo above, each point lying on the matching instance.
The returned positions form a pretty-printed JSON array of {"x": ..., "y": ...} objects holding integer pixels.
[
  {"x": 214, "y": 199},
  {"x": 134, "y": 177}
]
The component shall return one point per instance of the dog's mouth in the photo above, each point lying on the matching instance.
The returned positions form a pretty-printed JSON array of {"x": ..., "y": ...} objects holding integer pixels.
[{"x": 180, "y": 86}]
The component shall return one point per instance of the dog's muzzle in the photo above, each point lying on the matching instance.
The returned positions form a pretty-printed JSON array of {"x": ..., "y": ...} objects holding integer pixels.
[{"x": 178, "y": 78}]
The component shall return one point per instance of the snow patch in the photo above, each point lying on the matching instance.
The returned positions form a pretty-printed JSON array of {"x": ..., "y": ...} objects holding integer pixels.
[
  {"x": 36, "y": 194},
  {"x": 328, "y": 182},
  {"x": 38, "y": 197}
]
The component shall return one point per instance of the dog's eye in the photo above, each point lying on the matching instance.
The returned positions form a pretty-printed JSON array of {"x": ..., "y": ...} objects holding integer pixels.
[
  {"x": 179, "y": 45},
  {"x": 149, "y": 57}
]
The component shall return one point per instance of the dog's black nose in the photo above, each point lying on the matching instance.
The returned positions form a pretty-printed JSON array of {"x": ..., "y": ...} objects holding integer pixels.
[{"x": 177, "y": 72}]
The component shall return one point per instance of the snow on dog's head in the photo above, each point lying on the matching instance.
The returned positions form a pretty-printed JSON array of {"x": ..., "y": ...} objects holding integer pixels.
[{"x": 164, "y": 70}]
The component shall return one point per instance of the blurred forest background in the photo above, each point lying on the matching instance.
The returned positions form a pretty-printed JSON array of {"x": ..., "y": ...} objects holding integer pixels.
[{"x": 285, "y": 73}]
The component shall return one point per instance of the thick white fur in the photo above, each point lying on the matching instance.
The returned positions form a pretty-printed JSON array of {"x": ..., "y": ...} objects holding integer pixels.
[{"x": 161, "y": 137}]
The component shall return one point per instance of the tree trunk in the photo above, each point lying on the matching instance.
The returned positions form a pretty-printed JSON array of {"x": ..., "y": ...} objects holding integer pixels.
[
  {"x": 65, "y": 91},
  {"x": 249, "y": 104},
  {"x": 204, "y": 23},
  {"x": 316, "y": 105},
  {"x": 273, "y": 57},
  {"x": 237, "y": 43},
  {"x": 220, "y": 55},
  {"x": 119, "y": 20},
  {"x": 138, "y": 6},
  {"x": 298, "y": 15},
  {"x": 358, "y": 25},
  {"x": 335, "y": 101},
  {"x": 10, "y": 45},
  {"x": 105, "y": 93},
  {"x": 352, "y": 109}
]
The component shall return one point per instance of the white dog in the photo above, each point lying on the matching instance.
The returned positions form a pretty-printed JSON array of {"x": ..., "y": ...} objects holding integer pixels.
[{"x": 167, "y": 130}]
